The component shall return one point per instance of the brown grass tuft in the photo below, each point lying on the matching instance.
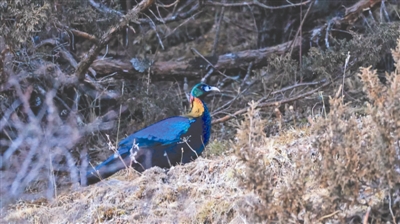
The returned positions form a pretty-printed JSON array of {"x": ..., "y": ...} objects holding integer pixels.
[
  {"x": 203, "y": 191},
  {"x": 351, "y": 162}
]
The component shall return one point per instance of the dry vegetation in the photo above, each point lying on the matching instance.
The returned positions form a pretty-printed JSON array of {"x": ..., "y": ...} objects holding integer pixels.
[
  {"x": 348, "y": 171},
  {"x": 306, "y": 129}
]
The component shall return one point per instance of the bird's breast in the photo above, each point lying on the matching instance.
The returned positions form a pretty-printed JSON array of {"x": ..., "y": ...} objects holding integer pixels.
[{"x": 197, "y": 108}]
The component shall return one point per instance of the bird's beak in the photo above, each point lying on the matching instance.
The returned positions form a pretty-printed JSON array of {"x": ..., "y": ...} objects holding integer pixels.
[{"x": 214, "y": 89}]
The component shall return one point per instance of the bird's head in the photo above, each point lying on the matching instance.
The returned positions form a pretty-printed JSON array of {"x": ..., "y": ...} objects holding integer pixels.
[{"x": 201, "y": 90}]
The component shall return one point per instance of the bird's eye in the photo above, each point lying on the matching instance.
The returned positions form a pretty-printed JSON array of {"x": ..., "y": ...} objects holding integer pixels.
[{"x": 206, "y": 88}]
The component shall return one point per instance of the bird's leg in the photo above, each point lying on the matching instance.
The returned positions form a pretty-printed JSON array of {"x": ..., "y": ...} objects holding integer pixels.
[
  {"x": 182, "y": 156},
  {"x": 97, "y": 171},
  {"x": 166, "y": 155},
  {"x": 202, "y": 142}
]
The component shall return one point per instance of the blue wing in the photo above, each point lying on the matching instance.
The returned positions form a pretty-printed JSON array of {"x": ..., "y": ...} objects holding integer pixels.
[
  {"x": 164, "y": 132},
  {"x": 160, "y": 136}
]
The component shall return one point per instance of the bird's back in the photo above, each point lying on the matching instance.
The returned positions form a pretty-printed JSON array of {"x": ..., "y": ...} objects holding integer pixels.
[
  {"x": 169, "y": 142},
  {"x": 172, "y": 141}
]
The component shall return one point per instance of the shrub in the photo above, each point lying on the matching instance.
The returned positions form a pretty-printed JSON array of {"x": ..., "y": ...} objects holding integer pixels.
[{"x": 354, "y": 161}]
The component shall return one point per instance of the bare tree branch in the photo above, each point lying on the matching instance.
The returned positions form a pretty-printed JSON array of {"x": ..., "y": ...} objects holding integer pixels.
[
  {"x": 192, "y": 69},
  {"x": 104, "y": 9},
  {"x": 269, "y": 104},
  {"x": 95, "y": 50},
  {"x": 257, "y": 3}
]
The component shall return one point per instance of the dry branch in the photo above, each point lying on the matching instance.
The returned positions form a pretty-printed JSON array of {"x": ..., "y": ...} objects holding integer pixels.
[
  {"x": 191, "y": 69},
  {"x": 84, "y": 65},
  {"x": 353, "y": 12},
  {"x": 171, "y": 70},
  {"x": 79, "y": 33},
  {"x": 102, "y": 8},
  {"x": 269, "y": 104},
  {"x": 85, "y": 35},
  {"x": 64, "y": 53},
  {"x": 256, "y": 3}
]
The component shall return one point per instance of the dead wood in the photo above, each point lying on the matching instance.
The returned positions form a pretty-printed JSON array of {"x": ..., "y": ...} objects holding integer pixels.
[
  {"x": 257, "y": 3},
  {"x": 84, "y": 65},
  {"x": 353, "y": 12},
  {"x": 192, "y": 68}
]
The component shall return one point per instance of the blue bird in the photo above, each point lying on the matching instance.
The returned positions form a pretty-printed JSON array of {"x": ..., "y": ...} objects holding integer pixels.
[{"x": 169, "y": 142}]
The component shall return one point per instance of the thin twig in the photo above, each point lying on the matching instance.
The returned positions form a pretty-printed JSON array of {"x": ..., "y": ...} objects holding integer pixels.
[
  {"x": 383, "y": 8},
  {"x": 344, "y": 71},
  {"x": 153, "y": 26},
  {"x": 390, "y": 206},
  {"x": 328, "y": 28},
  {"x": 208, "y": 62},
  {"x": 119, "y": 116},
  {"x": 5, "y": 119},
  {"x": 246, "y": 77},
  {"x": 227, "y": 104},
  {"x": 257, "y": 3},
  {"x": 167, "y": 6},
  {"x": 300, "y": 52},
  {"x": 268, "y": 104},
  {"x": 197, "y": 8},
  {"x": 95, "y": 50},
  {"x": 301, "y": 24},
  {"x": 104, "y": 9},
  {"x": 299, "y": 85},
  {"x": 217, "y": 31},
  {"x": 328, "y": 216},
  {"x": 204, "y": 79},
  {"x": 184, "y": 22},
  {"x": 365, "y": 220}
]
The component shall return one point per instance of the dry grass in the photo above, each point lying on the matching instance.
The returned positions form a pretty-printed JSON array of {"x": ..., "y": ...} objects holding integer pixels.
[
  {"x": 343, "y": 168},
  {"x": 339, "y": 167},
  {"x": 203, "y": 191},
  {"x": 349, "y": 164}
]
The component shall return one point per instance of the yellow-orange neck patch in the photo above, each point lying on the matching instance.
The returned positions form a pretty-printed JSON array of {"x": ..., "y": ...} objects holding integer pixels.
[{"x": 197, "y": 107}]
